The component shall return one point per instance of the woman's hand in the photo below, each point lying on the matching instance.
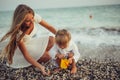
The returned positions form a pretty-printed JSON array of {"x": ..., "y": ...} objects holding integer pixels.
[{"x": 44, "y": 72}]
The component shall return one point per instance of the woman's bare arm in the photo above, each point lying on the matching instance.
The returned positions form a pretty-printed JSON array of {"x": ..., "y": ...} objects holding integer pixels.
[
  {"x": 48, "y": 26},
  {"x": 29, "y": 58}
]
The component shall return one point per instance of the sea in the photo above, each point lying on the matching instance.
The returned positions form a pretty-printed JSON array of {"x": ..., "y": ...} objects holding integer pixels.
[{"x": 95, "y": 29}]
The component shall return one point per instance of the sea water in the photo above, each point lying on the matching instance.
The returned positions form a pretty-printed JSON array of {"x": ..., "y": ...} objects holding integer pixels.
[{"x": 95, "y": 29}]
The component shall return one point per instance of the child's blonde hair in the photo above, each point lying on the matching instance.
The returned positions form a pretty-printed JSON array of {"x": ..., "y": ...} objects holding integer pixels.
[{"x": 62, "y": 37}]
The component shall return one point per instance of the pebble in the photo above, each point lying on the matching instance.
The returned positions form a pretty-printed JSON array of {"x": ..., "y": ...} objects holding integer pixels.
[{"x": 88, "y": 69}]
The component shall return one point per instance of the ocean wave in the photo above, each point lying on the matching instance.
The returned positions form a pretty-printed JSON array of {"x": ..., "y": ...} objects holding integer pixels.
[{"x": 96, "y": 31}]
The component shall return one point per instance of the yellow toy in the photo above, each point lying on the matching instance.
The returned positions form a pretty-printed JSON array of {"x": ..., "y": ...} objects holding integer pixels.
[{"x": 64, "y": 63}]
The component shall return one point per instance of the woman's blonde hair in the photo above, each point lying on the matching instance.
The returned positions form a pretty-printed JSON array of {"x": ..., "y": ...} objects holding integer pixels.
[
  {"x": 18, "y": 18},
  {"x": 62, "y": 37}
]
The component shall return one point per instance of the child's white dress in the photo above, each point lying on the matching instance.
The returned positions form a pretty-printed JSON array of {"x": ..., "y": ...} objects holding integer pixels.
[
  {"x": 35, "y": 46},
  {"x": 72, "y": 47}
]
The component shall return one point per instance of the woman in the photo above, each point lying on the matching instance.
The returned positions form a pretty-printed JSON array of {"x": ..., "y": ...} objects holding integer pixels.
[{"x": 23, "y": 49}]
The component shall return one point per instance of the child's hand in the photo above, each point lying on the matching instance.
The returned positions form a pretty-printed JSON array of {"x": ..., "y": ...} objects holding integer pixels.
[
  {"x": 70, "y": 54},
  {"x": 70, "y": 60},
  {"x": 60, "y": 56}
]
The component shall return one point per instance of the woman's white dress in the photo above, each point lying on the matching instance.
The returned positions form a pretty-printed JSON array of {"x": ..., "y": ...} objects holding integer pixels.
[{"x": 35, "y": 46}]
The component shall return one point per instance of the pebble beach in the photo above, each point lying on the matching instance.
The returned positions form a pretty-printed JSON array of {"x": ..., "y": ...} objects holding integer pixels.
[
  {"x": 98, "y": 40},
  {"x": 88, "y": 69}
]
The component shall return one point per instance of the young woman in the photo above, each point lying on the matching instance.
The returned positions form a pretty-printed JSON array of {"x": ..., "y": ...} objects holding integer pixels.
[{"x": 23, "y": 49}]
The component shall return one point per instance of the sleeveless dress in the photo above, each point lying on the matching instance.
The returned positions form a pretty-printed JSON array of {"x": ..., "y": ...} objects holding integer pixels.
[{"x": 35, "y": 47}]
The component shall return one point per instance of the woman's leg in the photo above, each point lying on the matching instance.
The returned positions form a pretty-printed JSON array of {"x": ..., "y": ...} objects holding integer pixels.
[
  {"x": 46, "y": 57},
  {"x": 50, "y": 43}
]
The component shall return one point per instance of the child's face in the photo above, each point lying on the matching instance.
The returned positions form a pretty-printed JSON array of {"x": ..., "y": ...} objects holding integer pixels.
[{"x": 63, "y": 46}]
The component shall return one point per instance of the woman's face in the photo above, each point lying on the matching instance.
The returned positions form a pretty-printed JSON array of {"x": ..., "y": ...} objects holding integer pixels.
[{"x": 29, "y": 20}]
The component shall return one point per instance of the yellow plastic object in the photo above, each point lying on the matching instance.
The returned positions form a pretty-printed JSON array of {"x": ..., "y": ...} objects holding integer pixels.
[{"x": 64, "y": 63}]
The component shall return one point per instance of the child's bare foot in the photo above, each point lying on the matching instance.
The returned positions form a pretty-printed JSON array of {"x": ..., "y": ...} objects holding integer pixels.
[{"x": 73, "y": 70}]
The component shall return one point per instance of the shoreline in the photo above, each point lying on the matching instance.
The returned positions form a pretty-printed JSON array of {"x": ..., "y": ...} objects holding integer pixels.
[{"x": 101, "y": 52}]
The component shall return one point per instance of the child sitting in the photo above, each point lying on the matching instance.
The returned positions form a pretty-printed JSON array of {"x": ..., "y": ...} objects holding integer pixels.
[{"x": 65, "y": 51}]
